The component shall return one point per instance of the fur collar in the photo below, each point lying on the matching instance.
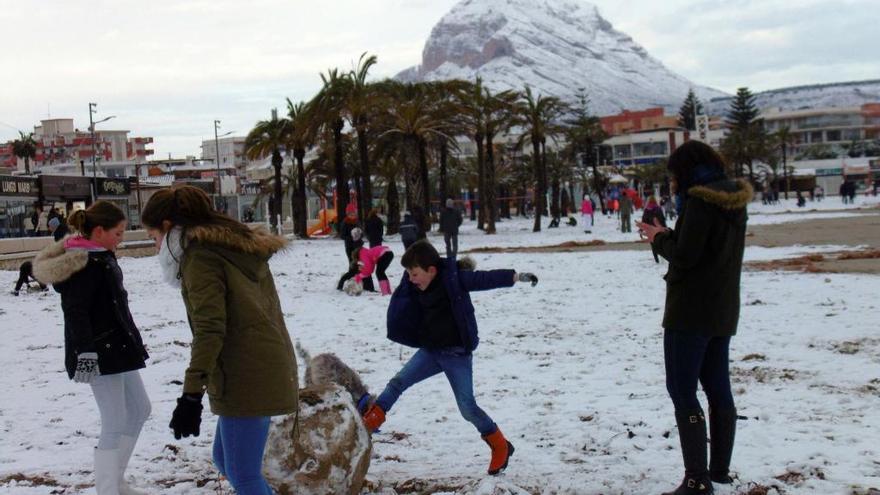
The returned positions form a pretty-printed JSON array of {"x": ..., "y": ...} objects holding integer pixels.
[
  {"x": 261, "y": 243},
  {"x": 54, "y": 264},
  {"x": 727, "y": 200},
  {"x": 467, "y": 263}
]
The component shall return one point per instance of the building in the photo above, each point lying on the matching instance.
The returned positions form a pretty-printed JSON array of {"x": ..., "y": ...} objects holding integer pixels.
[
  {"x": 653, "y": 146},
  {"x": 634, "y": 121},
  {"x": 60, "y": 142},
  {"x": 833, "y": 127},
  {"x": 231, "y": 152}
]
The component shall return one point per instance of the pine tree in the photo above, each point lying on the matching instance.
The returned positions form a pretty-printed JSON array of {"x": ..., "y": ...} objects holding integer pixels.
[
  {"x": 691, "y": 107},
  {"x": 743, "y": 110},
  {"x": 747, "y": 140}
]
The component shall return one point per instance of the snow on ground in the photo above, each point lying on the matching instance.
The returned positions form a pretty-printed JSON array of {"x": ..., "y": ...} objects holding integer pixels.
[{"x": 571, "y": 370}]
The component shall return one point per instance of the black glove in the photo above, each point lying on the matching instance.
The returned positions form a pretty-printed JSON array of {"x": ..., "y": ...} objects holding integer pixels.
[
  {"x": 187, "y": 416},
  {"x": 527, "y": 277}
]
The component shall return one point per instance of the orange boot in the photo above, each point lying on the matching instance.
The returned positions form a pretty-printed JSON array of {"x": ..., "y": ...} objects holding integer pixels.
[
  {"x": 501, "y": 451},
  {"x": 374, "y": 417}
]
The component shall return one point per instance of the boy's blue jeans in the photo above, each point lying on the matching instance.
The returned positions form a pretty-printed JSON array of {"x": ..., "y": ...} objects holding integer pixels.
[
  {"x": 457, "y": 364},
  {"x": 238, "y": 453}
]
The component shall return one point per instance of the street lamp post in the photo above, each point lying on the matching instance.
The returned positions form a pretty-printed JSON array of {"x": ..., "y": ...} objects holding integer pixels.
[
  {"x": 92, "y": 123},
  {"x": 220, "y": 201}
]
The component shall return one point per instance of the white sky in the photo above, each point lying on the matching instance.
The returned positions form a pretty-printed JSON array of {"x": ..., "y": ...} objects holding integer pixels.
[{"x": 168, "y": 68}]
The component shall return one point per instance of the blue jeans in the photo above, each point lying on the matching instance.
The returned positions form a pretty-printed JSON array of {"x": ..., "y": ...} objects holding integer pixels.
[
  {"x": 690, "y": 358},
  {"x": 457, "y": 364},
  {"x": 238, "y": 453}
]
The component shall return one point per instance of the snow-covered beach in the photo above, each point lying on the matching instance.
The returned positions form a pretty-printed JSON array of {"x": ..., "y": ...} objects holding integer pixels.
[{"x": 572, "y": 370}]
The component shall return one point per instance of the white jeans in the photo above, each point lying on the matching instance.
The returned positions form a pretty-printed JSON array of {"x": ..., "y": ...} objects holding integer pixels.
[{"x": 124, "y": 406}]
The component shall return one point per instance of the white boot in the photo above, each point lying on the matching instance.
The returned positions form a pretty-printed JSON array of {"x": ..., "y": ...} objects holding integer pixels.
[
  {"x": 107, "y": 472},
  {"x": 126, "y": 447}
]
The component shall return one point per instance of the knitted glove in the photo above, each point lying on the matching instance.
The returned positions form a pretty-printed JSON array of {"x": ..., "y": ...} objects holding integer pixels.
[
  {"x": 527, "y": 277},
  {"x": 353, "y": 287},
  {"x": 187, "y": 416},
  {"x": 86, "y": 367}
]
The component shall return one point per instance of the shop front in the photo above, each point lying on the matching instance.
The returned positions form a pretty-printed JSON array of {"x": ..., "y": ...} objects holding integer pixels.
[
  {"x": 18, "y": 197},
  {"x": 68, "y": 193},
  {"x": 118, "y": 191}
]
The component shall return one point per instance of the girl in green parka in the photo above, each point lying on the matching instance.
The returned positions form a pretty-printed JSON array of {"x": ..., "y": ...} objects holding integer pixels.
[{"x": 241, "y": 353}]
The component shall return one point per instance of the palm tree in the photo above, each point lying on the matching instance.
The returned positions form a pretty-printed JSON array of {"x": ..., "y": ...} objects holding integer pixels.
[
  {"x": 412, "y": 120},
  {"x": 499, "y": 117},
  {"x": 537, "y": 116},
  {"x": 359, "y": 105},
  {"x": 269, "y": 137},
  {"x": 300, "y": 138},
  {"x": 25, "y": 147},
  {"x": 471, "y": 101},
  {"x": 328, "y": 110}
]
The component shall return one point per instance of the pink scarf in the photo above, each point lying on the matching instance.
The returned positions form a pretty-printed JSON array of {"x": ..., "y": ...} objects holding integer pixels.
[{"x": 80, "y": 242}]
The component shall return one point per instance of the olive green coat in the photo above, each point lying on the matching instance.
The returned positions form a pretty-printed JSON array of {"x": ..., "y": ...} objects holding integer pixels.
[
  {"x": 242, "y": 355},
  {"x": 705, "y": 253}
]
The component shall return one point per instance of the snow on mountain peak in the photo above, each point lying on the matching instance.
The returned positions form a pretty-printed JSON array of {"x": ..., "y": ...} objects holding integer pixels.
[{"x": 557, "y": 47}]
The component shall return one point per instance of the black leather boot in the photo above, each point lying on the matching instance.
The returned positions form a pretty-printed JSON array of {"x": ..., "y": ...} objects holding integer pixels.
[
  {"x": 692, "y": 433},
  {"x": 722, "y": 431}
]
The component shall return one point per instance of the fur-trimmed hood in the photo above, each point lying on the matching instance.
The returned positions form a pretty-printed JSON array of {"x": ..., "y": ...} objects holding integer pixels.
[
  {"x": 262, "y": 243},
  {"x": 55, "y": 264},
  {"x": 466, "y": 263},
  {"x": 726, "y": 194}
]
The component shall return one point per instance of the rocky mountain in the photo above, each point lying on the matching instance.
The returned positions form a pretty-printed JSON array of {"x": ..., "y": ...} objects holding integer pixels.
[
  {"x": 558, "y": 47},
  {"x": 846, "y": 94}
]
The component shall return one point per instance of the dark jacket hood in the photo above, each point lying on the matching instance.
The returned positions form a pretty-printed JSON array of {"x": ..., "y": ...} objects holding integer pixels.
[{"x": 730, "y": 196}]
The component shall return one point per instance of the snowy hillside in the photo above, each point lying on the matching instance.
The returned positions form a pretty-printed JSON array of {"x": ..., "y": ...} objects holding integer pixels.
[
  {"x": 555, "y": 46},
  {"x": 847, "y": 94}
]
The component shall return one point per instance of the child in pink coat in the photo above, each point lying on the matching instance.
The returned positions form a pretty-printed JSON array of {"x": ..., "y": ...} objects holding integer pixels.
[
  {"x": 587, "y": 209},
  {"x": 378, "y": 257}
]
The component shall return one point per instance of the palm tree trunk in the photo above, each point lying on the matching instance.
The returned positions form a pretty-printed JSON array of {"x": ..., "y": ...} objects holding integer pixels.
[
  {"x": 412, "y": 173},
  {"x": 444, "y": 190},
  {"x": 473, "y": 204},
  {"x": 27, "y": 166},
  {"x": 539, "y": 183},
  {"x": 426, "y": 186},
  {"x": 393, "y": 198},
  {"x": 339, "y": 169},
  {"x": 491, "y": 207},
  {"x": 277, "y": 161},
  {"x": 554, "y": 196},
  {"x": 481, "y": 181},
  {"x": 544, "y": 171},
  {"x": 301, "y": 213},
  {"x": 785, "y": 169},
  {"x": 366, "y": 182}
]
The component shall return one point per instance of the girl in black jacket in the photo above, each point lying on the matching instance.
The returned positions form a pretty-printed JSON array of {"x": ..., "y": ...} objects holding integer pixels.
[
  {"x": 704, "y": 252},
  {"x": 102, "y": 344}
]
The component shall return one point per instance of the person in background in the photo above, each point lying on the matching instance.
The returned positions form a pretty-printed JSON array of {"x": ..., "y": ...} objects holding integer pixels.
[
  {"x": 42, "y": 222},
  {"x": 450, "y": 221},
  {"x": 102, "y": 345},
  {"x": 349, "y": 223},
  {"x": 705, "y": 253},
  {"x": 653, "y": 212},
  {"x": 375, "y": 228},
  {"x": 58, "y": 228},
  {"x": 587, "y": 210},
  {"x": 241, "y": 353},
  {"x": 626, "y": 211},
  {"x": 25, "y": 276},
  {"x": 409, "y": 232}
]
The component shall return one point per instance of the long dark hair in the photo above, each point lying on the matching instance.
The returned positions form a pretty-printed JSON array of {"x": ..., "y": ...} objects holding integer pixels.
[
  {"x": 186, "y": 207},
  {"x": 695, "y": 162},
  {"x": 102, "y": 214}
]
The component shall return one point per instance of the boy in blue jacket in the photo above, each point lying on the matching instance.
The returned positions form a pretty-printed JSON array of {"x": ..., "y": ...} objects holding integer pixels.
[{"x": 431, "y": 310}]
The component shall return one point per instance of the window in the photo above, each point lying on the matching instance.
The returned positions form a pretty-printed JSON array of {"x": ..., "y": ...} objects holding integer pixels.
[
  {"x": 621, "y": 151},
  {"x": 832, "y": 136},
  {"x": 852, "y": 135},
  {"x": 650, "y": 149},
  {"x": 816, "y": 137}
]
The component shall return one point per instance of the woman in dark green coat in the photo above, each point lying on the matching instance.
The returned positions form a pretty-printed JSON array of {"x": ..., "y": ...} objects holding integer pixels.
[
  {"x": 241, "y": 354},
  {"x": 705, "y": 252}
]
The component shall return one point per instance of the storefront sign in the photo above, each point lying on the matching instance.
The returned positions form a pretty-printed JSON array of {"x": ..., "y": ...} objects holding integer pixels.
[
  {"x": 65, "y": 186},
  {"x": 18, "y": 186},
  {"x": 113, "y": 187}
]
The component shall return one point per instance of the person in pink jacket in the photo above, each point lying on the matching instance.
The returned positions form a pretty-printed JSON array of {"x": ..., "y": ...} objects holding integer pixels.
[
  {"x": 378, "y": 258},
  {"x": 587, "y": 209}
]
